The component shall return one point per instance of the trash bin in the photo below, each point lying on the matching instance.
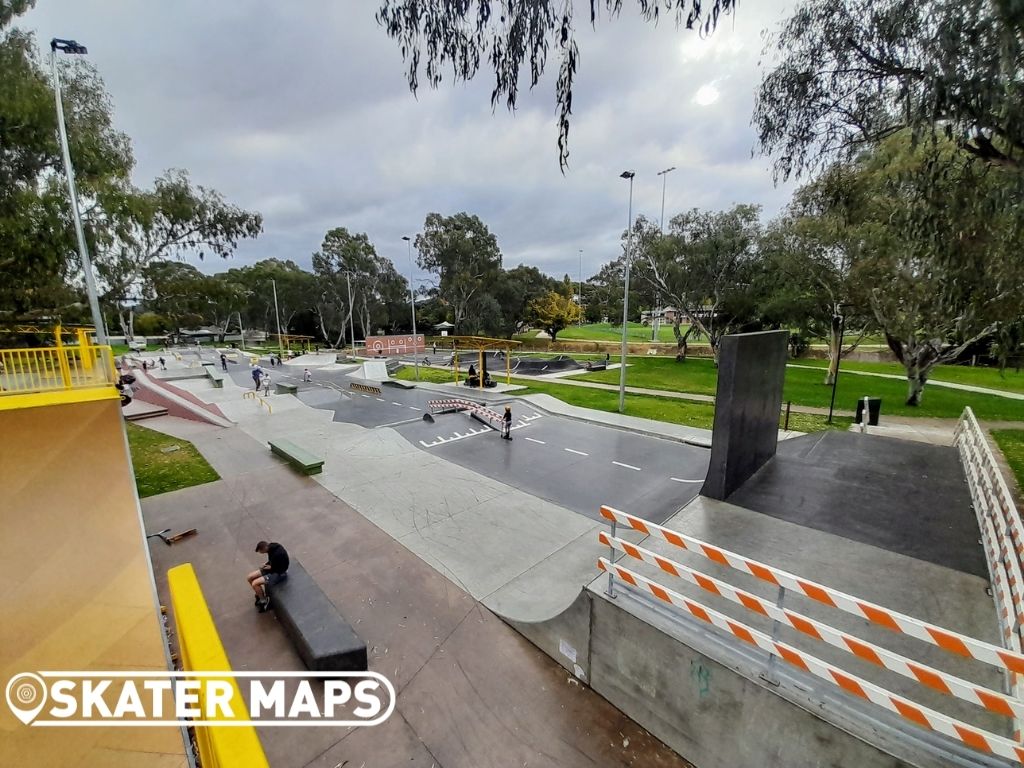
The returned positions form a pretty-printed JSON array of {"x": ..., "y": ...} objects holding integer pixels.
[{"x": 874, "y": 409}]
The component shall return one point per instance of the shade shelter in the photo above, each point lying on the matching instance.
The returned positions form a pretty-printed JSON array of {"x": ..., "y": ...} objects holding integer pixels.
[{"x": 481, "y": 345}]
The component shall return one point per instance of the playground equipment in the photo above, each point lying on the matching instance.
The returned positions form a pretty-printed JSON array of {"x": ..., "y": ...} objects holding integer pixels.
[{"x": 482, "y": 344}]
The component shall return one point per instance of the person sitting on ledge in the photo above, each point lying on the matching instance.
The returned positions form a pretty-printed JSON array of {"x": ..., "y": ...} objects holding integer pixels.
[{"x": 472, "y": 379}]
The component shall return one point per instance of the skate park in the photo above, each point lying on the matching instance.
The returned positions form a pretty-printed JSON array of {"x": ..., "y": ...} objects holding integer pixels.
[{"x": 477, "y": 572}]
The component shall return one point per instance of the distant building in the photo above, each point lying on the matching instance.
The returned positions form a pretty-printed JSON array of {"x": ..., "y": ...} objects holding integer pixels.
[{"x": 664, "y": 315}]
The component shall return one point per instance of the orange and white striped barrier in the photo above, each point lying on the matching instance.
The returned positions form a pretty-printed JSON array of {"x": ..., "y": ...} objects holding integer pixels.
[
  {"x": 938, "y": 680},
  {"x": 948, "y": 640},
  {"x": 922, "y": 716}
]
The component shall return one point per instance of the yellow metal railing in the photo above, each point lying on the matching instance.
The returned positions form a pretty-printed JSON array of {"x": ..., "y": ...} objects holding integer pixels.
[
  {"x": 55, "y": 369},
  {"x": 202, "y": 651}
]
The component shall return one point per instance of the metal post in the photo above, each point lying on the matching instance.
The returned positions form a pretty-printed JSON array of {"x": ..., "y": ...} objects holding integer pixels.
[
  {"x": 769, "y": 674},
  {"x": 412, "y": 301},
  {"x": 625, "y": 298},
  {"x": 69, "y": 172},
  {"x": 864, "y": 417},
  {"x": 277, "y": 316},
  {"x": 581, "y": 287},
  {"x": 839, "y": 356},
  {"x": 611, "y": 559},
  {"x": 351, "y": 314}
]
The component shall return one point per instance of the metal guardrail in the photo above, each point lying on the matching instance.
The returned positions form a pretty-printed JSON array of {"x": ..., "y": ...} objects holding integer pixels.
[
  {"x": 1002, "y": 534},
  {"x": 55, "y": 369},
  {"x": 1008, "y": 705}
]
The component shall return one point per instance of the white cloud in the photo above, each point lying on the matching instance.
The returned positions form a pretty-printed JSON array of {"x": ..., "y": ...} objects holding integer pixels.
[{"x": 301, "y": 111}]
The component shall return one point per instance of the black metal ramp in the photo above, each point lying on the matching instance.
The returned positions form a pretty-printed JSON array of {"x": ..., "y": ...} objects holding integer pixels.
[{"x": 901, "y": 496}]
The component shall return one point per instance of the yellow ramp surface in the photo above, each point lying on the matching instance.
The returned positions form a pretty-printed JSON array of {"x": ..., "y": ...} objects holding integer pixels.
[{"x": 76, "y": 589}]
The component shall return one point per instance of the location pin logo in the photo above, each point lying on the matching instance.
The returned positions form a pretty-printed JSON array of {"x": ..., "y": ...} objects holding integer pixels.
[{"x": 26, "y": 695}]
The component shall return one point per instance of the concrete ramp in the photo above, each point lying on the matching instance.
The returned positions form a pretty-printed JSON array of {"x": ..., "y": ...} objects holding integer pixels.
[{"x": 374, "y": 370}]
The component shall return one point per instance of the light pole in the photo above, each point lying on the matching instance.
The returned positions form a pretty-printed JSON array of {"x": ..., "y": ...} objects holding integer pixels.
[
  {"x": 656, "y": 320},
  {"x": 581, "y": 287},
  {"x": 625, "y": 293},
  {"x": 351, "y": 314},
  {"x": 412, "y": 301},
  {"x": 73, "y": 48},
  {"x": 664, "y": 180},
  {"x": 277, "y": 316}
]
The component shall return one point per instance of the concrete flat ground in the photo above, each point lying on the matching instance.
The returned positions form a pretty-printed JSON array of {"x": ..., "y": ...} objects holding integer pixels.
[
  {"x": 471, "y": 691},
  {"x": 574, "y": 464}
]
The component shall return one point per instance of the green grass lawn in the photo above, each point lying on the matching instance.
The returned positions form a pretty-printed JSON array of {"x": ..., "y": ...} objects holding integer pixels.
[
  {"x": 978, "y": 376},
  {"x": 607, "y": 332},
  {"x": 158, "y": 472},
  {"x": 645, "y": 406},
  {"x": 805, "y": 387},
  {"x": 1011, "y": 443}
]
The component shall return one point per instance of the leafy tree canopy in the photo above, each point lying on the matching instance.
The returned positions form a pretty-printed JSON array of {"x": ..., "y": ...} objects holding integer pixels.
[
  {"x": 849, "y": 73},
  {"x": 510, "y": 35}
]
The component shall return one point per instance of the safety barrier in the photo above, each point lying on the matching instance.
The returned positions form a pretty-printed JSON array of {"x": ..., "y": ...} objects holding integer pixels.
[
  {"x": 367, "y": 388},
  {"x": 229, "y": 746},
  {"x": 55, "y": 369},
  {"x": 1008, "y": 705},
  {"x": 458, "y": 404},
  {"x": 1000, "y": 523}
]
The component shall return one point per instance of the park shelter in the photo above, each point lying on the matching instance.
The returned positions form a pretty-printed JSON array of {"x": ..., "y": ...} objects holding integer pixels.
[
  {"x": 444, "y": 327},
  {"x": 481, "y": 345}
]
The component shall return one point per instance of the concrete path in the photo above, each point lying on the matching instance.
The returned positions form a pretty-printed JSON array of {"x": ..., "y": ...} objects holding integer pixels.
[
  {"x": 932, "y": 382},
  {"x": 471, "y": 691}
]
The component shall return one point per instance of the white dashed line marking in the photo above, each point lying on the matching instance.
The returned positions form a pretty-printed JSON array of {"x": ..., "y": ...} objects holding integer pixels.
[
  {"x": 680, "y": 480},
  {"x": 532, "y": 440},
  {"x": 394, "y": 403},
  {"x": 364, "y": 395},
  {"x": 573, "y": 450},
  {"x": 381, "y": 399},
  {"x": 414, "y": 408},
  {"x": 627, "y": 466}
]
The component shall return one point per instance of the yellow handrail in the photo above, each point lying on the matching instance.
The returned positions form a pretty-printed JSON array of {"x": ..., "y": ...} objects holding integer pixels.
[{"x": 52, "y": 369}]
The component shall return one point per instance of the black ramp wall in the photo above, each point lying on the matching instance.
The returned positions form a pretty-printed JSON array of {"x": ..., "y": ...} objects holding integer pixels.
[{"x": 751, "y": 371}]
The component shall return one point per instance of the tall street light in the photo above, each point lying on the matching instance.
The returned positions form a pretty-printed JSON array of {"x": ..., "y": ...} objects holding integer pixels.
[
  {"x": 664, "y": 180},
  {"x": 412, "y": 301},
  {"x": 656, "y": 320},
  {"x": 625, "y": 293},
  {"x": 581, "y": 287},
  {"x": 73, "y": 48}
]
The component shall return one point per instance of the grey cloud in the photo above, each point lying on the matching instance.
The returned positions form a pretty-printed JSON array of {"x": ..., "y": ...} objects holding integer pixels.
[{"x": 301, "y": 111}]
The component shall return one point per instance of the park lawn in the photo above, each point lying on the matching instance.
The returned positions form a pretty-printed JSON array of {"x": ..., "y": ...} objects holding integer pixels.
[
  {"x": 157, "y": 472},
  {"x": 978, "y": 376},
  {"x": 805, "y": 387},
  {"x": 671, "y": 410},
  {"x": 1011, "y": 443},
  {"x": 607, "y": 332}
]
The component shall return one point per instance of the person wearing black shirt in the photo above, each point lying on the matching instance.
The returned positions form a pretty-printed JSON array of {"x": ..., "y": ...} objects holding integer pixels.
[{"x": 272, "y": 572}]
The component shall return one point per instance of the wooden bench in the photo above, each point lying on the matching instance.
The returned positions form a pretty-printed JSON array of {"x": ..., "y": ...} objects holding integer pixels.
[
  {"x": 302, "y": 460},
  {"x": 216, "y": 376},
  {"x": 286, "y": 389},
  {"x": 324, "y": 640}
]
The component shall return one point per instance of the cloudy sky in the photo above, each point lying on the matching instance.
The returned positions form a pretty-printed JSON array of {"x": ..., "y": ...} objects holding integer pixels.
[{"x": 301, "y": 111}]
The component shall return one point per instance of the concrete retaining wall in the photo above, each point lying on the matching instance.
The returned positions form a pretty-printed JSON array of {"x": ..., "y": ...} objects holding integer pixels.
[{"x": 706, "y": 699}]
